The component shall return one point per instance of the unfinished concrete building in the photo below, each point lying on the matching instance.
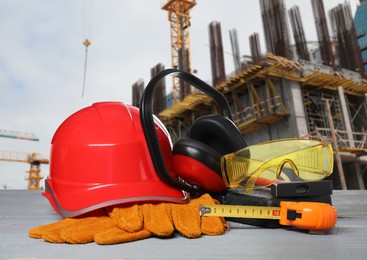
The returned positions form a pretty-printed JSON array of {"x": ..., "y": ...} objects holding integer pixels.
[
  {"x": 279, "y": 98},
  {"x": 275, "y": 97}
]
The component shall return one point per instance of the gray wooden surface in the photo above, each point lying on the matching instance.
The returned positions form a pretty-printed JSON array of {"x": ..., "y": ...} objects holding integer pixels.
[{"x": 22, "y": 210}]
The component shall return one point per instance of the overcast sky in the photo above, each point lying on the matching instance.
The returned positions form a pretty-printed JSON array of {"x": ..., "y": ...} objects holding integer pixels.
[{"x": 42, "y": 57}]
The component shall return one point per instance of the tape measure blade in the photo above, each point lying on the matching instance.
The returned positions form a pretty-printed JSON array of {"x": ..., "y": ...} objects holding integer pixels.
[{"x": 237, "y": 211}]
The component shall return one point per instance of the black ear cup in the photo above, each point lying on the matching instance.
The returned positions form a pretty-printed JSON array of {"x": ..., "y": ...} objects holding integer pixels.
[
  {"x": 218, "y": 132},
  {"x": 197, "y": 159}
]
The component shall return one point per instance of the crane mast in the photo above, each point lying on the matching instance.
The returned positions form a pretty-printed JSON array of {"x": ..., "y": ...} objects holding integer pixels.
[{"x": 179, "y": 18}]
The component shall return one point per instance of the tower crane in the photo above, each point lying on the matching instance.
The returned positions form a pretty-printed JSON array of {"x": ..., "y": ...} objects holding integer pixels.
[
  {"x": 179, "y": 18},
  {"x": 34, "y": 159}
]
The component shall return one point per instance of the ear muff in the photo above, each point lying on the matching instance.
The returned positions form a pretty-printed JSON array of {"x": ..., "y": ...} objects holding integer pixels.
[
  {"x": 197, "y": 159},
  {"x": 147, "y": 122}
]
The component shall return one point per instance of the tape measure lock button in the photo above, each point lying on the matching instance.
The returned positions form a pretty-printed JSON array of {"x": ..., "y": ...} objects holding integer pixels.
[{"x": 293, "y": 215}]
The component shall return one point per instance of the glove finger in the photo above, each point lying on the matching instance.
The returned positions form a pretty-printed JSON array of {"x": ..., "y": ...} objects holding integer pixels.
[
  {"x": 157, "y": 219},
  {"x": 116, "y": 235},
  {"x": 129, "y": 219},
  {"x": 86, "y": 229},
  {"x": 213, "y": 226},
  {"x": 40, "y": 231},
  {"x": 186, "y": 219},
  {"x": 52, "y": 232}
]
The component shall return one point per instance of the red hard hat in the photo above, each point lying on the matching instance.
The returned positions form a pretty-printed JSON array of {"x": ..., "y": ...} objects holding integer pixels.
[{"x": 99, "y": 157}]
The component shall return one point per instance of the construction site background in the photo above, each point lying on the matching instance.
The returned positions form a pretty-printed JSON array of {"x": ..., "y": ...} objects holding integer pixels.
[{"x": 308, "y": 89}]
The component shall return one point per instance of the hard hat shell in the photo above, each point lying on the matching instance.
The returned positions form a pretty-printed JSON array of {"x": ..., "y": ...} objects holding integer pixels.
[{"x": 99, "y": 158}]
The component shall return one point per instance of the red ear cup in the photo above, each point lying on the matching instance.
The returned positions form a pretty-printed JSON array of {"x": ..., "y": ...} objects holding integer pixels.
[
  {"x": 197, "y": 173},
  {"x": 197, "y": 159},
  {"x": 198, "y": 164}
]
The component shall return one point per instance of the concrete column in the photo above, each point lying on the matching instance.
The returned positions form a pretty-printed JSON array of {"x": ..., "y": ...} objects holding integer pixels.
[
  {"x": 346, "y": 118},
  {"x": 357, "y": 165},
  {"x": 298, "y": 108}
]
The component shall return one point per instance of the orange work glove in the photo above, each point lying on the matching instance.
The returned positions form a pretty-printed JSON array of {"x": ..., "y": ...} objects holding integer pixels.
[
  {"x": 79, "y": 230},
  {"x": 130, "y": 223}
]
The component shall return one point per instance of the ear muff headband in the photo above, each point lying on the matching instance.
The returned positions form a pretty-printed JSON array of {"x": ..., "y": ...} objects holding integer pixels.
[{"x": 147, "y": 122}]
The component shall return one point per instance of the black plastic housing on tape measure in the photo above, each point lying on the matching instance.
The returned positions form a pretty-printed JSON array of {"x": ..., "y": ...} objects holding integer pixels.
[{"x": 302, "y": 189}]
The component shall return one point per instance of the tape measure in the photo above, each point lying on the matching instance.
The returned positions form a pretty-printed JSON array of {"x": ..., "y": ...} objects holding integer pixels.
[
  {"x": 236, "y": 211},
  {"x": 314, "y": 216}
]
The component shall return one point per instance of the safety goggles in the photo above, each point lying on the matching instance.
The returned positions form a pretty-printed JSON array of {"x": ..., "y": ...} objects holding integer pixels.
[{"x": 280, "y": 160}]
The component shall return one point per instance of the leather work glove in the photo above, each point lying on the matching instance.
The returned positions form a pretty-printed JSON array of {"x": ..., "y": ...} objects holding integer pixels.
[{"x": 124, "y": 224}]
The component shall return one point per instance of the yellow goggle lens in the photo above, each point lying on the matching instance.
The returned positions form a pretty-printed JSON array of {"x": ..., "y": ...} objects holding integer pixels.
[{"x": 285, "y": 159}]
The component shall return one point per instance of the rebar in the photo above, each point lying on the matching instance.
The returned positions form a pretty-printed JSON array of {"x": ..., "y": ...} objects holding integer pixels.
[
  {"x": 347, "y": 42},
  {"x": 137, "y": 91},
  {"x": 160, "y": 92},
  {"x": 275, "y": 24},
  {"x": 235, "y": 49},
  {"x": 298, "y": 33},
  {"x": 323, "y": 33},
  {"x": 255, "y": 47},
  {"x": 216, "y": 53}
]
